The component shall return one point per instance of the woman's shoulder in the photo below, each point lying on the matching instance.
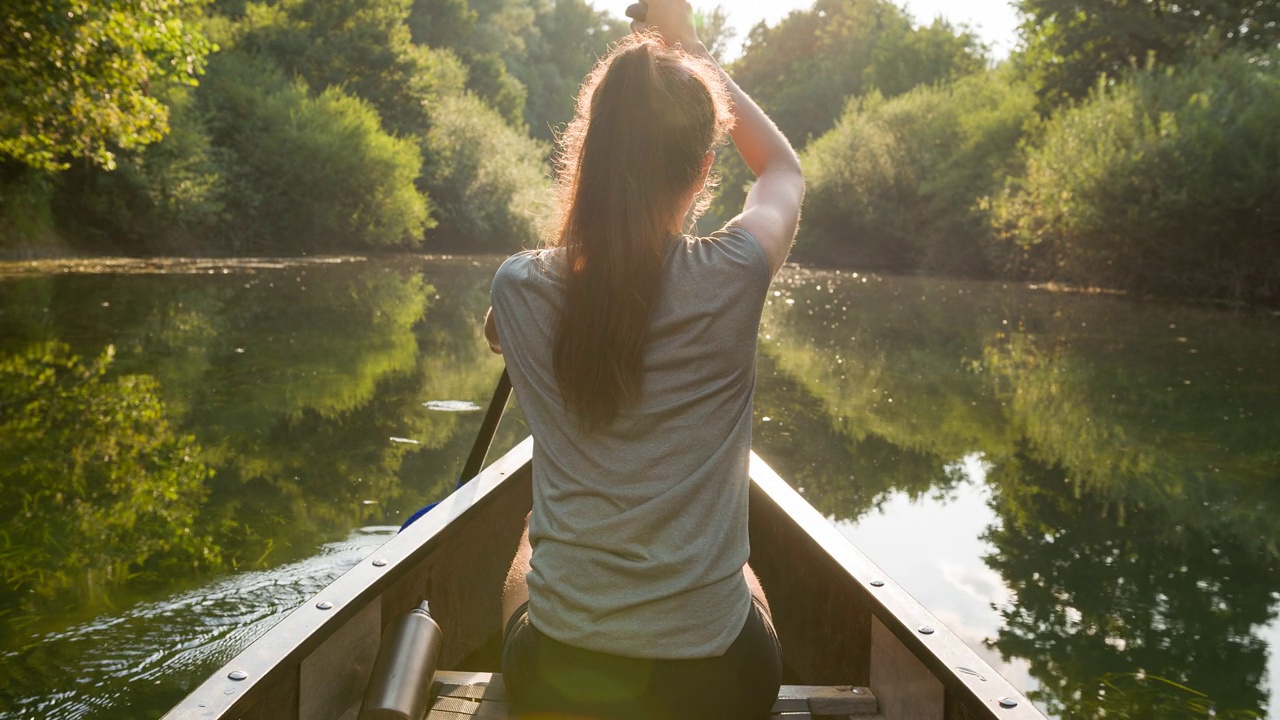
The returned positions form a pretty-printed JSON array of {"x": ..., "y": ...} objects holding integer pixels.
[
  {"x": 530, "y": 270},
  {"x": 540, "y": 263},
  {"x": 731, "y": 248}
]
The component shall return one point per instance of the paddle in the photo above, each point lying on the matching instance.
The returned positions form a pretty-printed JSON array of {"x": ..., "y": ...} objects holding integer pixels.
[{"x": 484, "y": 439}]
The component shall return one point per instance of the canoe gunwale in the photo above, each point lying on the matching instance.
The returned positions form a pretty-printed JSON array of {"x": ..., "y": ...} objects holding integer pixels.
[
  {"x": 964, "y": 675},
  {"x": 276, "y": 664},
  {"x": 269, "y": 660}
]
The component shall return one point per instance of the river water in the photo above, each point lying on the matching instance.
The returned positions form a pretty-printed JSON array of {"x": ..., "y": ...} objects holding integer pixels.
[{"x": 1084, "y": 487}]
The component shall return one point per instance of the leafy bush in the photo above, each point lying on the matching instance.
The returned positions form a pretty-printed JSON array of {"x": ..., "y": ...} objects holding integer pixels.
[
  {"x": 1167, "y": 183},
  {"x": 26, "y": 217},
  {"x": 77, "y": 76},
  {"x": 487, "y": 179},
  {"x": 802, "y": 70},
  {"x": 309, "y": 173},
  {"x": 168, "y": 197},
  {"x": 896, "y": 184}
]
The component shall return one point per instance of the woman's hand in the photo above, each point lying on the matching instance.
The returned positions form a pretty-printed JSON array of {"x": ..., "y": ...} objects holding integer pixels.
[{"x": 672, "y": 19}]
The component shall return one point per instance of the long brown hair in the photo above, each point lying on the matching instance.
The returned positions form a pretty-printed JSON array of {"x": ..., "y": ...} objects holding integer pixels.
[{"x": 646, "y": 118}]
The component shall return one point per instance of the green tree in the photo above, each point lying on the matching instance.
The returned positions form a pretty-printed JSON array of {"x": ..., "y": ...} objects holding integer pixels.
[
  {"x": 309, "y": 172},
  {"x": 896, "y": 184},
  {"x": 364, "y": 47},
  {"x": 525, "y": 58},
  {"x": 802, "y": 70},
  {"x": 441, "y": 23},
  {"x": 490, "y": 36},
  {"x": 167, "y": 197},
  {"x": 1068, "y": 44},
  {"x": 570, "y": 38},
  {"x": 1163, "y": 183},
  {"x": 489, "y": 181},
  {"x": 714, "y": 30},
  {"x": 80, "y": 75}
]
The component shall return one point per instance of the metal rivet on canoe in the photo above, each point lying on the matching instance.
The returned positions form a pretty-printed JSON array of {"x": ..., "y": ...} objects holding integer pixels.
[
  {"x": 924, "y": 630},
  {"x": 859, "y": 691},
  {"x": 877, "y": 583},
  {"x": 1007, "y": 703},
  {"x": 324, "y": 605},
  {"x": 380, "y": 563},
  {"x": 238, "y": 675}
]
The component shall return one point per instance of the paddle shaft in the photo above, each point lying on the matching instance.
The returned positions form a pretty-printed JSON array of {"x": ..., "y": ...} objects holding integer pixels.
[{"x": 488, "y": 428}]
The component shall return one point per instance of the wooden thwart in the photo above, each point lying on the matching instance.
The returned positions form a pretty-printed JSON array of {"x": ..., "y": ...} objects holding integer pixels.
[{"x": 482, "y": 696}]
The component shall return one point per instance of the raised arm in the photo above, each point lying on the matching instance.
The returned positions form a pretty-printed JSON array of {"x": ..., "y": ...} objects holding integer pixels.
[{"x": 772, "y": 210}]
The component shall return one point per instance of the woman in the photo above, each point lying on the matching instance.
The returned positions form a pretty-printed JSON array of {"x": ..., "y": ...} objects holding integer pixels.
[{"x": 631, "y": 350}]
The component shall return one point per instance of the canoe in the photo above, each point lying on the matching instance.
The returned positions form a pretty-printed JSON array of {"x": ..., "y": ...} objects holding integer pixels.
[{"x": 850, "y": 635}]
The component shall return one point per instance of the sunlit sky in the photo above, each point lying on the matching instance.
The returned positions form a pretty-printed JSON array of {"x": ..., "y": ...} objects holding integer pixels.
[{"x": 993, "y": 20}]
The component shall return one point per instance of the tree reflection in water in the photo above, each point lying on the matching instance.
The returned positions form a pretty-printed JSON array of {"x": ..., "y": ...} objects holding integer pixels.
[
  {"x": 234, "y": 421},
  {"x": 1124, "y": 610},
  {"x": 1132, "y": 469},
  {"x": 99, "y": 488},
  {"x": 254, "y": 416}
]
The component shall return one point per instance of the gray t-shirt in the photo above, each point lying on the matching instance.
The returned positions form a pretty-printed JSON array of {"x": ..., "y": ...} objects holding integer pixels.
[{"x": 639, "y": 529}]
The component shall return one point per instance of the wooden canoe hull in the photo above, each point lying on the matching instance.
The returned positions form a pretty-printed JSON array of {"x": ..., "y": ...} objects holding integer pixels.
[{"x": 835, "y": 625}]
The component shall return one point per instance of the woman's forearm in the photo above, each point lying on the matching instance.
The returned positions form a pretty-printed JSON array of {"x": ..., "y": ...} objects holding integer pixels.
[{"x": 760, "y": 142}]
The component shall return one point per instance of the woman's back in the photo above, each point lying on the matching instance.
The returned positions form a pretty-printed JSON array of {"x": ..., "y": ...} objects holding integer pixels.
[
  {"x": 639, "y": 525},
  {"x": 632, "y": 354}
]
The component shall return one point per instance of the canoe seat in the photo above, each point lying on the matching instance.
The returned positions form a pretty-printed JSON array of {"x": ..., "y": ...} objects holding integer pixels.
[{"x": 463, "y": 695}]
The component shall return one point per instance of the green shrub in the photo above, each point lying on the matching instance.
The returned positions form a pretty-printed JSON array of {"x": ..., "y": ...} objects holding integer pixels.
[
  {"x": 895, "y": 185},
  {"x": 166, "y": 198},
  {"x": 363, "y": 46},
  {"x": 26, "y": 215},
  {"x": 1165, "y": 183},
  {"x": 803, "y": 69},
  {"x": 309, "y": 173},
  {"x": 78, "y": 76},
  {"x": 489, "y": 181}
]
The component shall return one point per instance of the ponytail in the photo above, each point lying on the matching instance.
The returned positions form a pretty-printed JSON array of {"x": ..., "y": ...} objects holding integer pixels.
[{"x": 647, "y": 116}]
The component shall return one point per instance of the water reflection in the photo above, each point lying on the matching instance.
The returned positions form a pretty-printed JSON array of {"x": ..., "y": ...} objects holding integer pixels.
[
  {"x": 98, "y": 485},
  {"x": 1131, "y": 469},
  {"x": 164, "y": 438},
  {"x": 135, "y": 662},
  {"x": 160, "y": 432}
]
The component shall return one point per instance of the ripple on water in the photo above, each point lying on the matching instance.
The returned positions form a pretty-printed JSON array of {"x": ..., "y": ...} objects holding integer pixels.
[{"x": 152, "y": 654}]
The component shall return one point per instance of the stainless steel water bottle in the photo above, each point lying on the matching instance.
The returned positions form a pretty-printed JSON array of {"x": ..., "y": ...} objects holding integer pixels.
[{"x": 400, "y": 686}]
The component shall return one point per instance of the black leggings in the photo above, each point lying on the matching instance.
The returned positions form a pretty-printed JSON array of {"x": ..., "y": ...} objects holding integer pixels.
[{"x": 549, "y": 679}]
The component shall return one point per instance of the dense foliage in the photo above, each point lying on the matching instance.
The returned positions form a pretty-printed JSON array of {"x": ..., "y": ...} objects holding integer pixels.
[
  {"x": 1166, "y": 182},
  {"x": 1124, "y": 144},
  {"x": 802, "y": 71},
  {"x": 77, "y": 75},
  {"x": 893, "y": 186},
  {"x": 1069, "y": 44},
  {"x": 319, "y": 126}
]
